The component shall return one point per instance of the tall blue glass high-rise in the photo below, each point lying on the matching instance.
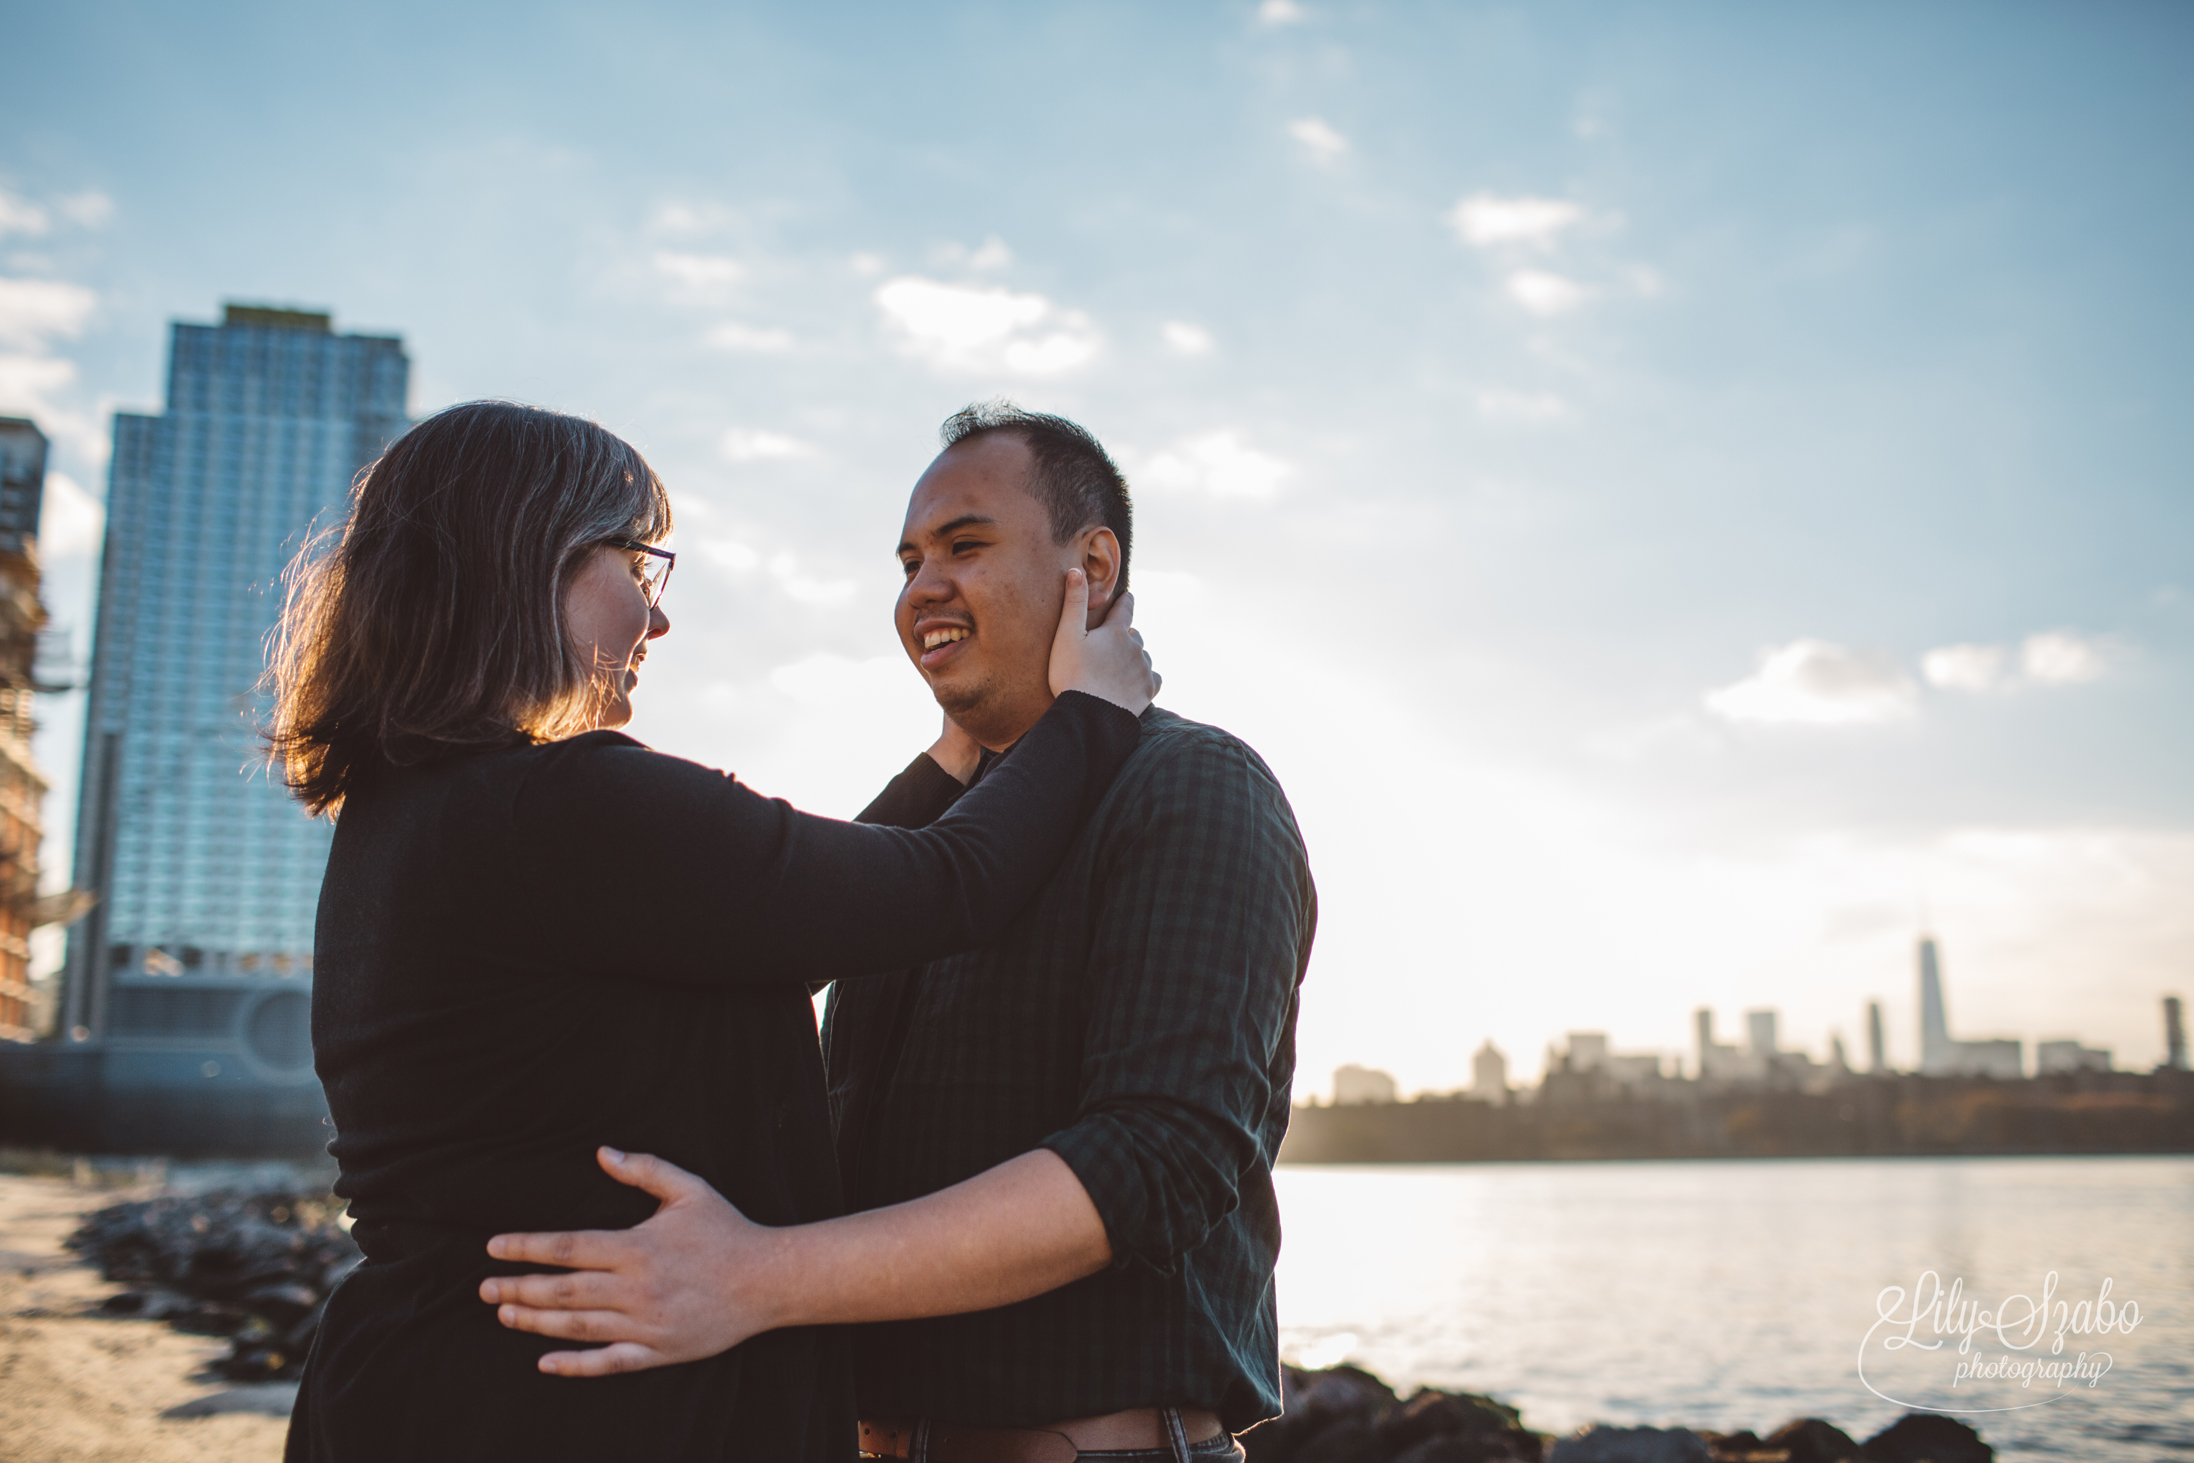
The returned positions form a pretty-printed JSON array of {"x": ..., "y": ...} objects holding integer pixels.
[{"x": 190, "y": 982}]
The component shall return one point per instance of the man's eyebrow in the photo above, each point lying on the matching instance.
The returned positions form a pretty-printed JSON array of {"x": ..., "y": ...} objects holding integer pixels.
[{"x": 906, "y": 546}]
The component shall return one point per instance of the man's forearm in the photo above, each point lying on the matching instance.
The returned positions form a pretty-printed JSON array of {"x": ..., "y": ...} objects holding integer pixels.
[{"x": 1011, "y": 1232}]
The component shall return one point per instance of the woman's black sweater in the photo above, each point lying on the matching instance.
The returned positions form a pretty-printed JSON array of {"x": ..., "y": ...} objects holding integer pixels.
[{"x": 522, "y": 955}]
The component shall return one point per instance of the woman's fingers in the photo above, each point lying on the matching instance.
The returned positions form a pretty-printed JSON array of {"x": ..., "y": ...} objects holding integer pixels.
[
  {"x": 1067, "y": 668},
  {"x": 1107, "y": 662}
]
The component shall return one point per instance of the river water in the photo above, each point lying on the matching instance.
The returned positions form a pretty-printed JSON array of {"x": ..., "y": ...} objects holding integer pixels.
[{"x": 1739, "y": 1294}]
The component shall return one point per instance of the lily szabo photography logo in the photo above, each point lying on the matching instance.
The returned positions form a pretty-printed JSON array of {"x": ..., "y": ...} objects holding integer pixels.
[{"x": 1938, "y": 1349}]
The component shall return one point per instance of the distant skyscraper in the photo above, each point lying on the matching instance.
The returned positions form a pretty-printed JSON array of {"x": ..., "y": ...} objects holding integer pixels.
[
  {"x": 2052, "y": 1057},
  {"x": 1489, "y": 1074},
  {"x": 191, "y": 979},
  {"x": 2174, "y": 1034},
  {"x": 1937, "y": 1052},
  {"x": 1353, "y": 1084},
  {"x": 1877, "y": 1050},
  {"x": 1943, "y": 1056},
  {"x": 1717, "y": 1060},
  {"x": 1760, "y": 1036}
]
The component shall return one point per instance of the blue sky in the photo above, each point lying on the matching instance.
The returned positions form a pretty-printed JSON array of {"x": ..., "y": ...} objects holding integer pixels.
[{"x": 1674, "y": 491}]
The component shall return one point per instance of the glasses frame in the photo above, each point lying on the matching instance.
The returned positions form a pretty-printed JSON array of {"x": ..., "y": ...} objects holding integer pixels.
[{"x": 670, "y": 562}]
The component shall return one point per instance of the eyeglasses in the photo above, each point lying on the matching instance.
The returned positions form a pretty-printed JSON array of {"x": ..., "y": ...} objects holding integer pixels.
[{"x": 655, "y": 572}]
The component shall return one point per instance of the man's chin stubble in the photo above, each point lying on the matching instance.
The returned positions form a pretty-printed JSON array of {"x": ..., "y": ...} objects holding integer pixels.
[{"x": 961, "y": 702}]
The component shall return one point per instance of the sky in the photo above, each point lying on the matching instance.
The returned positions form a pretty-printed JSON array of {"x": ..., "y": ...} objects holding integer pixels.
[{"x": 1683, "y": 496}]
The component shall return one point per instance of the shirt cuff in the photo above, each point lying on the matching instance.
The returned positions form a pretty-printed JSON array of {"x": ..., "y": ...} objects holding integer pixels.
[{"x": 1103, "y": 1158}]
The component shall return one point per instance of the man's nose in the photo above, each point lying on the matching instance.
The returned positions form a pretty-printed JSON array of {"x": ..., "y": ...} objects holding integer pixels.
[{"x": 930, "y": 585}]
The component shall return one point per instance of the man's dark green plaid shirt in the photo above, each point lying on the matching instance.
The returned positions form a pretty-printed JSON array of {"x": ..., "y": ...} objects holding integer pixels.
[{"x": 1139, "y": 1021}]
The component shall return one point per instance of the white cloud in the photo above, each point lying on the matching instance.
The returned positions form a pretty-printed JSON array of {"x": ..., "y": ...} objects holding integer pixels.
[
  {"x": 1485, "y": 221},
  {"x": 1323, "y": 144},
  {"x": 1544, "y": 293},
  {"x": 759, "y": 339},
  {"x": 783, "y": 567},
  {"x": 1219, "y": 463},
  {"x": 32, "y": 311},
  {"x": 985, "y": 329},
  {"x": 89, "y": 210},
  {"x": 2061, "y": 658},
  {"x": 867, "y": 264},
  {"x": 1963, "y": 667},
  {"x": 731, "y": 554},
  {"x": 71, "y": 521},
  {"x": 743, "y": 444},
  {"x": 1814, "y": 683},
  {"x": 21, "y": 216},
  {"x": 1184, "y": 339},
  {"x": 1521, "y": 406},
  {"x": 838, "y": 683},
  {"x": 680, "y": 219},
  {"x": 804, "y": 587},
  {"x": 30, "y": 386},
  {"x": 704, "y": 275},
  {"x": 992, "y": 253},
  {"x": 27, "y": 382},
  {"x": 1281, "y": 12}
]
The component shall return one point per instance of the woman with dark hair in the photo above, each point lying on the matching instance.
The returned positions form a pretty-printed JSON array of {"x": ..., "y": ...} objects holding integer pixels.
[{"x": 538, "y": 938}]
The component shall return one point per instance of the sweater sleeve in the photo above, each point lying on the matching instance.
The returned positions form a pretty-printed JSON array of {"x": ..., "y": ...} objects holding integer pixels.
[
  {"x": 1202, "y": 935},
  {"x": 630, "y": 864},
  {"x": 915, "y": 798}
]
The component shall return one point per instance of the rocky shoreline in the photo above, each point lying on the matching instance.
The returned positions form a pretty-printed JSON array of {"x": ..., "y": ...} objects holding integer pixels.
[
  {"x": 1346, "y": 1415},
  {"x": 257, "y": 1268},
  {"x": 253, "y": 1268}
]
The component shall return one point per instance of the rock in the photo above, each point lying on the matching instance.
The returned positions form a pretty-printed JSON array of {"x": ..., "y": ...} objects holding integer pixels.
[
  {"x": 1926, "y": 1437},
  {"x": 1520, "y": 1447},
  {"x": 256, "y": 1268},
  {"x": 1348, "y": 1440},
  {"x": 1632, "y": 1445},
  {"x": 269, "y": 1399},
  {"x": 1810, "y": 1440},
  {"x": 1481, "y": 1428}
]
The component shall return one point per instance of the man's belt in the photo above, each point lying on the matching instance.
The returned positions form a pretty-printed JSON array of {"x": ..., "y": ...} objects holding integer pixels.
[{"x": 1138, "y": 1427}]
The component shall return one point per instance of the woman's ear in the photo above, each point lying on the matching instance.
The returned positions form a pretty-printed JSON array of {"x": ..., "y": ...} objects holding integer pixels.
[{"x": 1101, "y": 562}]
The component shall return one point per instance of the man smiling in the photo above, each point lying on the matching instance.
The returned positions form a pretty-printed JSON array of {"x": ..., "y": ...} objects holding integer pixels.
[
  {"x": 1137, "y": 1021},
  {"x": 1075, "y": 1125}
]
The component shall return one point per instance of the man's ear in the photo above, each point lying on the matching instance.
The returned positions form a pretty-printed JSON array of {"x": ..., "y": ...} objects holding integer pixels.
[{"x": 1101, "y": 562}]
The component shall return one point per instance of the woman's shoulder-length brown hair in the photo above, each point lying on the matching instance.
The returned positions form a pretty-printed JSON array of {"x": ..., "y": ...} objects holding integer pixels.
[{"x": 431, "y": 621}]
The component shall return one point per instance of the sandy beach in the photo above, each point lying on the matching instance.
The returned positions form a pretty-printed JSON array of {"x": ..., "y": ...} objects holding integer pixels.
[{"x": 75, "y": 1385}]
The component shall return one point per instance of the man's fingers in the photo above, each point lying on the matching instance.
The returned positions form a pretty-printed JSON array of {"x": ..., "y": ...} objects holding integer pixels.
[
  {"x": 666, "y": 1181},
  {"x": 1124, "y": 608},
  {"x": 625, "y": 1356},
  {"x": 592, "y": 1326},
  {"x": 580, "y": 1290},
  {"x": 583, "y": 1249}
]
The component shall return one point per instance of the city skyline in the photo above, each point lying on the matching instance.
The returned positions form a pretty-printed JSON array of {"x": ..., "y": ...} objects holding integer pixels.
[
  {"x": 1763, "y": 1055},
  {"x": 1669, "y": 497}
]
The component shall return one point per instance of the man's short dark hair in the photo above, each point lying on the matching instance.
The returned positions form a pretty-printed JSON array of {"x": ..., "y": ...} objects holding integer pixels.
[{"x": 1074, "y": 478}]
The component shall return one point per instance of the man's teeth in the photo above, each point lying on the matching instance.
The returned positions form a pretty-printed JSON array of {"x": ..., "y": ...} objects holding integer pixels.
[{"x": 936, "y": 638}]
